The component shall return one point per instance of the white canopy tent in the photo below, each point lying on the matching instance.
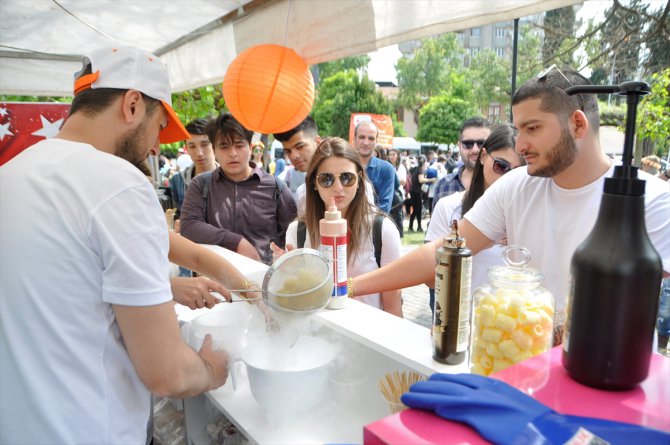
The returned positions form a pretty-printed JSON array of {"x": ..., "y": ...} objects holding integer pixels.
[{"x": 41, "y": 41}]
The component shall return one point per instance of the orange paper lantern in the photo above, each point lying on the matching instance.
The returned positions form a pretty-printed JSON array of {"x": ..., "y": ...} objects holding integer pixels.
[{"x": 269, "y": 88}]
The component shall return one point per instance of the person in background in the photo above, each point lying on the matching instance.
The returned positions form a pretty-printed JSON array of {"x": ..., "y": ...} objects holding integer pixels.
[
  {"x": 416, "y": 194},
  {"x": 471, "y": 136},
  {"x": 86, "y": 340},
  {"x": 336, "y": 174},
  {"x": 183, "y": 159},
  {"x": 244, "y": 208},
  {"x": 550, "y": 205},
  {"x": 496, "y": 158},
  {"x": 401, "y": 172},
  {"x": 201, "y": 154},
  {"x": 299, "y": 146},
  {"x": 280, "y": 165},
  {"x": 380, "y": 173},
  {"x": 381, "y": 152},
  {"x": 258, "y": 155}
]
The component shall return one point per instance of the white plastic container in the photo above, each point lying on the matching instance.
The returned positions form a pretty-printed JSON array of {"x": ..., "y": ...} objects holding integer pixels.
[{"x": 333, "y": 230}]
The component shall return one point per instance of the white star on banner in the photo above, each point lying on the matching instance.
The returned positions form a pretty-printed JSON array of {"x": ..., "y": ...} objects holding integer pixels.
[
  {"x": 3, "y": 112},
  {"x": 4, "y": 131},
  {"x": 49, "y": 129}
]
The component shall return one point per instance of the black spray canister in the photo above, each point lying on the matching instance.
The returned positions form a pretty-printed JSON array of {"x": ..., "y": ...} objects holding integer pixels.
[
  {"x": 616, "y": 277},
  {"x": 451, "y": 319}
]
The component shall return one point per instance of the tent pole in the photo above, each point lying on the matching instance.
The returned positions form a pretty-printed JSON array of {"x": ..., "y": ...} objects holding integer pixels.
[{"x": 515, "y": 50}]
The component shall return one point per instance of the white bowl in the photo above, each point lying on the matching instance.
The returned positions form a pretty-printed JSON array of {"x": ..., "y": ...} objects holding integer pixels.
[{"x": 288, "y": 382}]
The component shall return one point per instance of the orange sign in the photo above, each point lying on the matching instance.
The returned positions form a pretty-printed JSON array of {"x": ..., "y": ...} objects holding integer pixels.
[{"x": 383, "y": 122}]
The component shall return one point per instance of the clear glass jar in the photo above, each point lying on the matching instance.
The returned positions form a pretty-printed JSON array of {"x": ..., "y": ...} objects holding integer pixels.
[{"x": 513, "y": 315}]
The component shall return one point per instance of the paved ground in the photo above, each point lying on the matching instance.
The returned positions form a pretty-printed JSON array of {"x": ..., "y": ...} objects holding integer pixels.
[{"x": 415, "y": 299}]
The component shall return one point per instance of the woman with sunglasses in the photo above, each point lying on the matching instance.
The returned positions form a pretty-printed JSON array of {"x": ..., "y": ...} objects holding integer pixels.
[
  {"x": 496, "y": 158},
  {"x": 336, "y": 173},
  {"x": 257, "y": 155}
]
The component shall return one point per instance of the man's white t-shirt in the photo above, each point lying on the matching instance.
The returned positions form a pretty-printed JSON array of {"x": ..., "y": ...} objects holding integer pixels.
[
  {"x": 552, "y": 221},
  {"x": 81, "y": 230},
  {"x": 448, "y": 209},
  {"x": 365, "y": 260}
]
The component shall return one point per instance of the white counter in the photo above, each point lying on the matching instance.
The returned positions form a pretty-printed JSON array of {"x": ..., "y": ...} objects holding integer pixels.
[{"x": 375, "y": 341}]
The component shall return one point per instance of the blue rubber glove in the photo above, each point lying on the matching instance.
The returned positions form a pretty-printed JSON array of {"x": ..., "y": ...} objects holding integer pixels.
[{"x": 504, "y": 415}]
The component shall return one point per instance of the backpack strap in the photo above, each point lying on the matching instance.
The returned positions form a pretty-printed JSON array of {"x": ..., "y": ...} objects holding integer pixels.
[
  {"x": 377, "y": 237},
  {"x": 206, "y": 180},
  {"x": 302, "y": 234}
]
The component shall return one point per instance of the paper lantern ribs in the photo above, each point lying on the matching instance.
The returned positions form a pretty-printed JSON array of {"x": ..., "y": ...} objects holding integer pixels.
[{"x": 269, "y": 88}]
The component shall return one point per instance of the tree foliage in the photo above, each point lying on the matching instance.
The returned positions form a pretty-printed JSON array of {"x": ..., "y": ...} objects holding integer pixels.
[
  {"x": 427, "y": 73},
  {"x": 559, "y": 33},
  {"x": 327, "y": 69},
  {"x": 653, "y": 119},
  {"x": 342, "y": 94},
  {"x": 491, "y": 78},
  {"x": 198, "y": 103},
  {"x": 441, "y": 118}
]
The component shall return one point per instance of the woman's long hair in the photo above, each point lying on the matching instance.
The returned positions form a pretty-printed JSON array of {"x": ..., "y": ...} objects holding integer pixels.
[
  {"x": 398, "y": 158},
  {"x": 502, "y": 137},
  {"x": 359, "y": 211}
]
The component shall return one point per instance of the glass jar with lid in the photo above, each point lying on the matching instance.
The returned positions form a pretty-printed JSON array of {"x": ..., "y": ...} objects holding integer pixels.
[{"x": 513, "y": 315}]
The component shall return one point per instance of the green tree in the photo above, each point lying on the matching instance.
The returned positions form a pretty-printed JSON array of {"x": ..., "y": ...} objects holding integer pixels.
[
  {"x": 342, "y": 94},
  {"x": 327, "y": 69},
  {"x": 491, "y": 75},
  {"x": 11, "y": 98},
  {"x": 442, "y": 116},
  {"x": 653, "y": 119},
  {"x": 198, "y": 103},
  {"x": 559, "y": 26},
  {"x": 426, "y": 74},
  {"x": 529, "y": 62}
]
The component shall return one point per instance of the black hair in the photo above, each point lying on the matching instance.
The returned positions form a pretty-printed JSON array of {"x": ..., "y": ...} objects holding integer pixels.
[
  {"x": 93, "y": 101},
  {"x": 550, "y": 89},
  {"x": 227, "y": 127},
  {"x": 197, "y": 126},
  {"x": 307, "y": 126},
  {"x": 501, "y": 137},
  {"x": 473, "y": 122}
]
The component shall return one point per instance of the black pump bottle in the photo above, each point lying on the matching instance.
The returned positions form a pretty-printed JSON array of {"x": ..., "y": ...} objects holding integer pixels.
[{"x": 616, "y": 277}]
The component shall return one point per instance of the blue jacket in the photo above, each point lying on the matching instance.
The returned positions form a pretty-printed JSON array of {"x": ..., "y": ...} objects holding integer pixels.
[{"x": 383, "y": 177}]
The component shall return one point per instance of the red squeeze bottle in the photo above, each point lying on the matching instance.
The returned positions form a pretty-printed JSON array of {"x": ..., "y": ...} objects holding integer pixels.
[{"x": 333, "y": 230}]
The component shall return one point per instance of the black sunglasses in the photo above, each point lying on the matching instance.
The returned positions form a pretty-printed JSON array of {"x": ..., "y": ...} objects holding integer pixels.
[
  {"x": 469, "y": 143},
  {"x": 501, "y": 166},
  {"x": 326, "y": 180}
]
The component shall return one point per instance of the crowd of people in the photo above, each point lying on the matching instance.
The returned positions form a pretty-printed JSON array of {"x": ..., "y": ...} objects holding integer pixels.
[{"x": 87, "y": 311}]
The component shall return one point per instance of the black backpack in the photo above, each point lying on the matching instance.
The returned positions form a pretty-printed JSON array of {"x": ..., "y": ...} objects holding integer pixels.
[{"x": 376, "y": 236}]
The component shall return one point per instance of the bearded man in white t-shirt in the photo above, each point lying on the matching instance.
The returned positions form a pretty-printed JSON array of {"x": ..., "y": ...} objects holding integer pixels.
[
  {"x": 87, "y": 322},
  {"x": 549, "y": 206}
]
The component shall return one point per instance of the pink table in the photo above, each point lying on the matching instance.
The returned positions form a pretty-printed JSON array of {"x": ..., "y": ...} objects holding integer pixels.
[{"x": 544, "y": 378}]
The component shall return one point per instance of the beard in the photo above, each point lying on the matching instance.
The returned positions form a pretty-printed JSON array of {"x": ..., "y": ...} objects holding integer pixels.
[
  {"x": 130, "y": 147},
  {"x": 558, "y": 158}
]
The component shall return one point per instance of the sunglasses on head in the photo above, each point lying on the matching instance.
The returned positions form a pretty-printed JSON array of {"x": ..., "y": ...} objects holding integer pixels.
[
  {"x": 469, "y": 143},
  {"x": 545, "y": 74},
  {"x": 501, "y": 166},
  {"x": 326, "y": 180}
]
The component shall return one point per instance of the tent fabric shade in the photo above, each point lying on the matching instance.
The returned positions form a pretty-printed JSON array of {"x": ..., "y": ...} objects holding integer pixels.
[
  {"x": 269, "y": 88},
  {"x": 41, "y": 41}
]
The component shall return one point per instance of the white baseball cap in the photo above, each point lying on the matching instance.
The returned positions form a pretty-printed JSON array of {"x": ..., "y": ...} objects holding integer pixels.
[{"x": 130, "y": 68}]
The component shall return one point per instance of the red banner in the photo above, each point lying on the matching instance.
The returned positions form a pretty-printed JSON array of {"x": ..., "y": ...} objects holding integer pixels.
[
  {"x": 383, "y": 122},
  {"x": 23, "y": 124}
]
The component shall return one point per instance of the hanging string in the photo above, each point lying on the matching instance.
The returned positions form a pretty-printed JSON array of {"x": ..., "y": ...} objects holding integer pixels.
[{"x": 288, "y": 14}]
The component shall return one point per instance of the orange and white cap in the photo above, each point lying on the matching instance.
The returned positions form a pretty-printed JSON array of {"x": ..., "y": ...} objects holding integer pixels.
[{"x": 129, "y": 68}]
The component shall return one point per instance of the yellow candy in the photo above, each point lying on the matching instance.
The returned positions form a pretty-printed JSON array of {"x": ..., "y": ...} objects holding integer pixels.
[
  {"x": 492, "y": 335},
  {"x": 505, "y": 323},
  {"x": 500, "y": 364},
  {"x": 521, "y": 356},
  {"x": 508, "y": 348},
  {"x": 522, "y": 339},
  {"x": 493, "y": 351}
]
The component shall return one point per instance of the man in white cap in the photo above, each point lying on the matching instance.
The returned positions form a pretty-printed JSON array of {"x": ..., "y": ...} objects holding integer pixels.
[{"x": 87, "y": 324}]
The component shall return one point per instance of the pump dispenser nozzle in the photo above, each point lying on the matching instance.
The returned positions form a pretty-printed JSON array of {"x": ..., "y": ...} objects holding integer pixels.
[{"x": 332, "y": 213}]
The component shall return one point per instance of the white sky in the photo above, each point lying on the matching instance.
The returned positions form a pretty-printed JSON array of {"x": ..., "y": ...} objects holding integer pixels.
[{"x": 382, "y": 62}]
